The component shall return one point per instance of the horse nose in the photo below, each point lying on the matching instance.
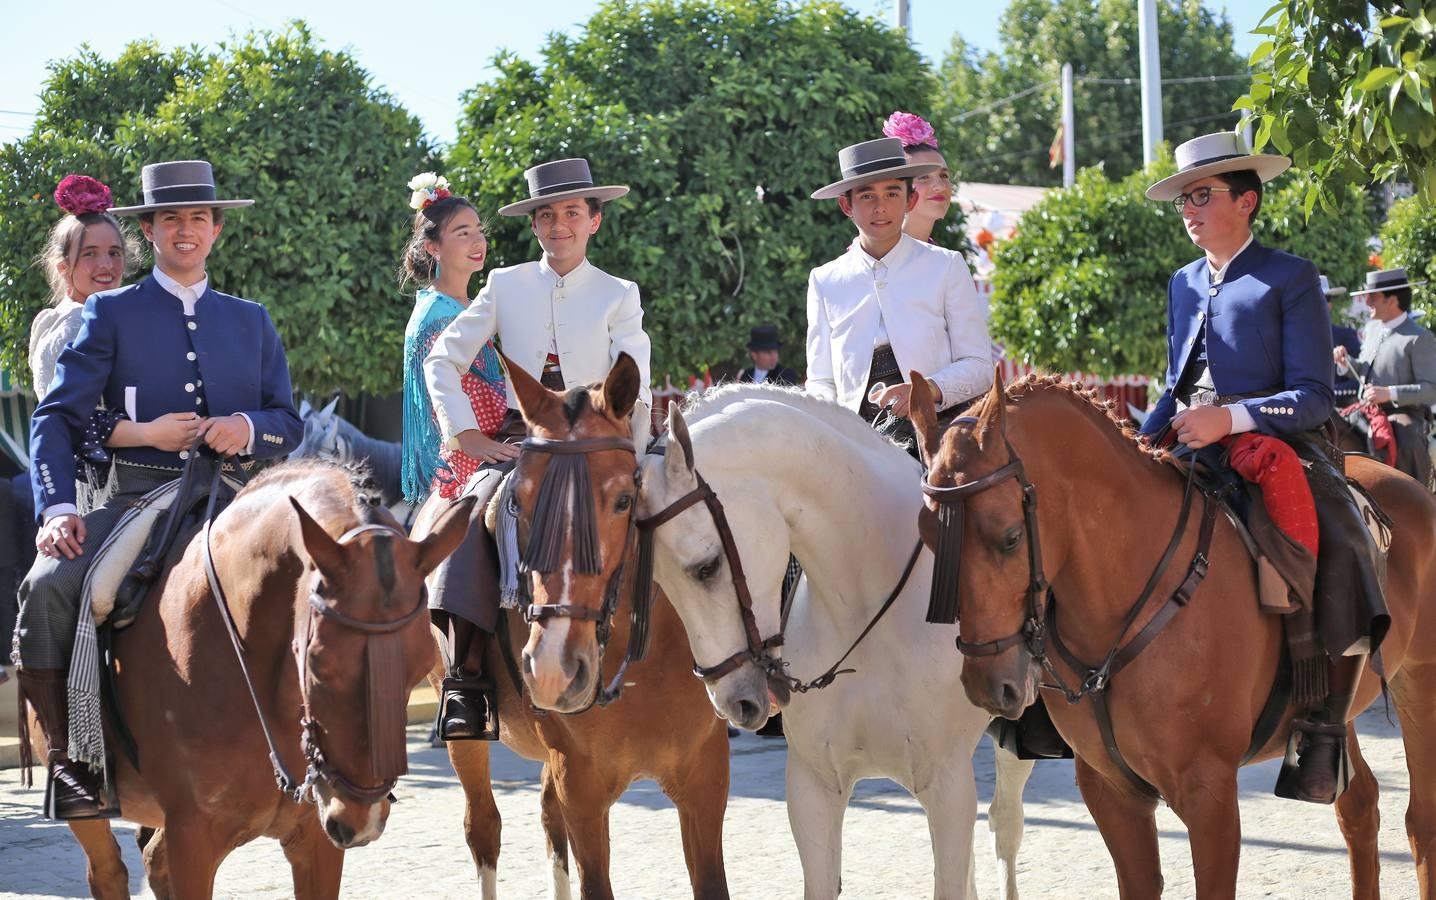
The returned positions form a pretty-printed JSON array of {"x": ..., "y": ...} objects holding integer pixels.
[
  {"x": 342, "y": 835},
  {"x": 1009, "y": 698},
  {"x": 750, "y": 714}
]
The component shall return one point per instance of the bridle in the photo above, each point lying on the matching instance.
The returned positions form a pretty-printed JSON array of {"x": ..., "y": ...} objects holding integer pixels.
[
  {"x": 759, "y": 650},
  {"x": 384, "y": 664},
  {"x": 546, "y": 534},
  {"x": 1040, "y": 622}
]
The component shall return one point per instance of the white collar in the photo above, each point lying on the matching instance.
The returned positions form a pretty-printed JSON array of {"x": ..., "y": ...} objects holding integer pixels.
[
  {"x": 188, "y": 294},
  {"x": 1218, "y": 275},
  {"x": 583, "y": 266},
  {"x": 1393, "y": 324},
  {"x": 892, "y": 258}
]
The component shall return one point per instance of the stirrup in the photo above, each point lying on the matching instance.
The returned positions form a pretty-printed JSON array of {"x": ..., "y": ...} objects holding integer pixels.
[
  {"x": 468, "y": 709},
  {"x": 104, "y": 805},
  {"x": 1288, "y": 780}
]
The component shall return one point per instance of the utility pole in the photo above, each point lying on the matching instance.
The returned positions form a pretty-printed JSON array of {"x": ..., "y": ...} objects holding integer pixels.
[
  {"x": 1069, "y": 120},
  {"x": 1151, "y": 79},
  {"x": 904, "y": 15}
]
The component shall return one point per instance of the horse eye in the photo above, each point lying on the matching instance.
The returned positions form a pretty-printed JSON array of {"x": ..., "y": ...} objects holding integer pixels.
[
  {"x": 624, "y": 503},
  {"x": 705, "y": 571},
  {"x": 1012, "y": 539}
]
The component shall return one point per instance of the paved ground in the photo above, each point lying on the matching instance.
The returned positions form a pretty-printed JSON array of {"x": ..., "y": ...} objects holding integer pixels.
[{"x": 1290, "y": 849}]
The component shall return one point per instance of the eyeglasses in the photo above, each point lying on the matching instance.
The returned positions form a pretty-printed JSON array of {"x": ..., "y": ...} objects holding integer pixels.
[{"x": 1200, "y": 197}]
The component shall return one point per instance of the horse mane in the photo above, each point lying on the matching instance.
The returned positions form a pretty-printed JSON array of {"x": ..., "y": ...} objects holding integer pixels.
[
  {"x": 355, "y": 491},
  {"x": 1085, "y": 399},
  {"x": 715, "y": 399}
]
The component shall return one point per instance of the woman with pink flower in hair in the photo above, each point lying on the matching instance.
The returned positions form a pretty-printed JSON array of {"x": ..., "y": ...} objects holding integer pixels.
[
  {"x": 934, "y": 190},
  {"x": 89, "y": 251}
]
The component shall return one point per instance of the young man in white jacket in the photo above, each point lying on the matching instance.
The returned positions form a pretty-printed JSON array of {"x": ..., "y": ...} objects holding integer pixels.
[
  {"x": 892, "y": 304},
  {"x": 564, "y": 321}
]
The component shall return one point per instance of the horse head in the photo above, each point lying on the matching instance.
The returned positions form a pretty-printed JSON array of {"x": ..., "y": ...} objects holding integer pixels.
[
  {"x": 576, "y": 488},
  {"x": 980, "y": 539},
  {"x": 362, "y": 643},
  {"x": 692, "y": 561}
]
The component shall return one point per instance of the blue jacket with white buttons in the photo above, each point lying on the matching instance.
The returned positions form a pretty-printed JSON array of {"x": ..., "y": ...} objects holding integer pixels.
[
  {"x": 1268, "y": 332},
  {"x": 138, "y": 352}
]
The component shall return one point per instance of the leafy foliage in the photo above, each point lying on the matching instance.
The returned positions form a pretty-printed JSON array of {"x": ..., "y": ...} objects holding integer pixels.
[
  {"x": 723, "y": 117},
  {"x": 1408, "y": 240},
  {"x": 296, "y": 127},
  {"x": 1346, "y": 96},
  {"x": 1083, "y": 284},
  {"x": 1008, "y": 144}
]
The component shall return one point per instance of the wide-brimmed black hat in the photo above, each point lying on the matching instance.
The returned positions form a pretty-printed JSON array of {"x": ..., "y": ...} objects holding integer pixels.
[
  {"x": 1216, "y": 154},
  {"x": 764, "y": 337},
  {"x": 872, "y": 161},
  {"x": 1385, "y": 281},
  {"x": 173, "y": 185},
  {"x": 562, "y": 179}
]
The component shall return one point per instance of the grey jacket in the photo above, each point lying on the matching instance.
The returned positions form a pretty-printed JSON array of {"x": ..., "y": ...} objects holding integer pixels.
[{"x": 1403, "y": 359}]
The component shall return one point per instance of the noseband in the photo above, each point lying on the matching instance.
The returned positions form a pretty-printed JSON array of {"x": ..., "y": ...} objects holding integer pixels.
[
  {"x": 567, "y": 481},
  {"x": 384, "y": 662}
]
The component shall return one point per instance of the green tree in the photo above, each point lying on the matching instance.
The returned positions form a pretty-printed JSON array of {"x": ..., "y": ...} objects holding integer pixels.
[
  {"x": 1345, "y": 90},
  {"x": 1408, "y": 240},
  {"x": 723, "y": 117},
  {"x": 299, "y": 128},
  {"x": 1083, "y": 284},
  {"x": 1007, "y": 143}
]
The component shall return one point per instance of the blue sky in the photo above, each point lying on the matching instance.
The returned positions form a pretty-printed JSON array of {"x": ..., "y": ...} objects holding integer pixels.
[{"x": 425, "y": 54}]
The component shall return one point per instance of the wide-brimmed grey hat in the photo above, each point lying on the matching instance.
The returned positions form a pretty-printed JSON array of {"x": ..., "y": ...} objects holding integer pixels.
[
  {"x": 872, "y": 161},
  {"x": 1385, "y": 281},
  {"x": 172, "y": 185},
  {"x": 562, "y": 179},
  {"x": 1215, "y": 154},
  {"x": 1328, "y": 290}
]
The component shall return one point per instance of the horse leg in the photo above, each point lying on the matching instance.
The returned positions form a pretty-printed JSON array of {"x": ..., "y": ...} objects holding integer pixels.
[
  {"x": 1415, "y": 698},
  {"x": 1206, "y": 800},
  {"x": 482, "y": 823},
  {"x": 1128, "y": 824},
  {"x": 316, "y": 864},
  {"x": 104, "y": 867},
  {"x": 193, "y": 855},
  {"x": 950, "y": 801},
  {"x": 555, "y": 830},
  {"x": 815, "y": 813},
  {"x": 700, "y": 791},
  {"x": 1359, "y": 815},
  {"x": 585, "y": 794},
  {"x": 1004, "y": 817},
  {"x": 157, "y": 866}
]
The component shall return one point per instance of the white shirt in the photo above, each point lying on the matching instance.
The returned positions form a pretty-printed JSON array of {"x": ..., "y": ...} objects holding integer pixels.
[
  {"x": 589, "y": 315},
  {"x": 760, "y": 375},
  {"x": 924, "y": 298},
  {"x": 1241, "y": 419}
]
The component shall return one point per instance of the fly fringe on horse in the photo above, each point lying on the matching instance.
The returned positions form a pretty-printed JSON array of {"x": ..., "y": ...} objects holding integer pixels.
[
  {"x": 566, "y": 476},
  {"x": 943, "y": 603},
  {"x": 387, "y": 711}
]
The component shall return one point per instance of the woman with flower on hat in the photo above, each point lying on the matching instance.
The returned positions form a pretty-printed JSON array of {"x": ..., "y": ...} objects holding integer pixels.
[
  {"x": 933, "y": 189},
  {"x": 89, "y": 251},
  {"x": 447, "y": 248}
]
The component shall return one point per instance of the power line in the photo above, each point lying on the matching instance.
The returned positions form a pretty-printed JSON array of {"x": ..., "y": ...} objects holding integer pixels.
[
  {"x": 1194, "y": 79},
  {"x": 1004, "y": 101},
  {"x": 1089, "y": 141},
  {"x": 16, "y": 112}
]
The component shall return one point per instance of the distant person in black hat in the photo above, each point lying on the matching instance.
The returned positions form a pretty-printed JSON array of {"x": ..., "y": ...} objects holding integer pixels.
[
  {"x": 1397, "y": 367},
  {"x": 763, "y": 347},
  {"x": 1348, "y": 339}
]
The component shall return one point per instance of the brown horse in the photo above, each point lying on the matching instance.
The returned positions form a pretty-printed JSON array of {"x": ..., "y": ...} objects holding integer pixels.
[
  {"x": 1184, "y": 710},
  {"x": 318, "y": 580},
  {"x": 663, "y": 727}
]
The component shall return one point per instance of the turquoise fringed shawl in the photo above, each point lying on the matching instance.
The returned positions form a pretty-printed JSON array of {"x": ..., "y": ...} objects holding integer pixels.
[{"x": 433, "y": 312}]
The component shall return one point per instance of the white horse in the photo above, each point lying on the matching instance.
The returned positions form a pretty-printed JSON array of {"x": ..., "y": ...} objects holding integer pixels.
[{"x": 801, "y": 475}]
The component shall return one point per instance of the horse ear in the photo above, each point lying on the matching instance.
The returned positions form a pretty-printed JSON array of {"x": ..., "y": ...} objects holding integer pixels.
[
  {"x": 535, "y": 400},
  {"x": 446, "y": 535},
  {"x": 994, "y": 408},
  {"x": 678, "y": 457},
  {"x": 330, "y": 406},
  {"x": 328, "y": 556},
  {"x": 923, "y": 411},
  {"x": 620, "y": 388}
]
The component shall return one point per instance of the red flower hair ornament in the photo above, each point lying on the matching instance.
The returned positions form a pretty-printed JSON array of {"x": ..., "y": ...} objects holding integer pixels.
[
  {"x": 912, "y": 130},
  {"x": 81, "y": 194}
]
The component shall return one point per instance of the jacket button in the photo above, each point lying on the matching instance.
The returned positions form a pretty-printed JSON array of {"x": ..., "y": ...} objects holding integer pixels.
[
  {"x": 192, "y": 326},
  {"x": 189, "y": 388},
  {"x": 184, "y": 454},
  {"x": 190, "y": 356}
]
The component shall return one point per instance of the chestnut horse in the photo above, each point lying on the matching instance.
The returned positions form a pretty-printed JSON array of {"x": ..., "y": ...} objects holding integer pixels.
[
  {"x": 1183, "y": 711},
  {"x": 662, "y": 727},
  {"x": 318, "y": 580}
]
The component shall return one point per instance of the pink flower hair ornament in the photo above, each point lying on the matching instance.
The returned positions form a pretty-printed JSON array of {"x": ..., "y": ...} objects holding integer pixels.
[
  {"x": 81, "y": 194},
  {"x": 911, "y": 129}
]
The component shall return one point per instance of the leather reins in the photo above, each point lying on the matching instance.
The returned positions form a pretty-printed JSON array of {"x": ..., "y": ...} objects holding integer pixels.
[
  {"x": 602, "y": 617},
  {"x": 1040, "y": 621},
  {"x": 317, "y": 767}
]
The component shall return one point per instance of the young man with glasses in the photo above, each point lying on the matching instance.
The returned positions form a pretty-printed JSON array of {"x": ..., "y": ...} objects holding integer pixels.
[{"x": 1249, "y": 349}]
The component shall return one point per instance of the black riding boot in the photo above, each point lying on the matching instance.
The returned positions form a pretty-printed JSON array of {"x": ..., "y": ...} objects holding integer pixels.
[
  {"x": 1324, "y": 734},
  {"x": 468, "y": 704},
  {"x": 73, "y": 791}
]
